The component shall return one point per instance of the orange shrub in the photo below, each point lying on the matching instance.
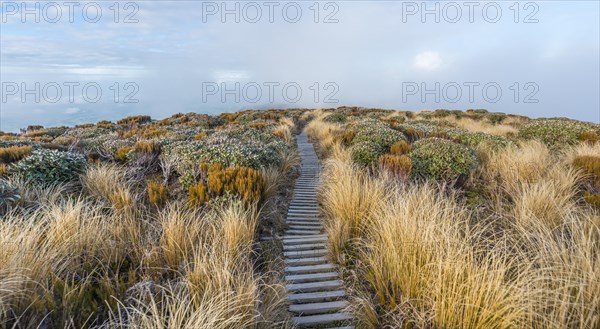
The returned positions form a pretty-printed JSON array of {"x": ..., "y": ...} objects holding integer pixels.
[
  {"x": 157, "y": 193},
  {"x": 14, "y": 153},
  {"x": 590, "y": 165},
  {"x": 589, "y": 137},
  {"x": 244, "y": 182},
  {"x": 399, "y": 166},
  {"x": 200, "y": 135},
  {"x": 147, "y": 147},
  {"x": 121, "y": 154},
  {"x": 400, "y": 148},
  {"x": 198, "y": 194}
]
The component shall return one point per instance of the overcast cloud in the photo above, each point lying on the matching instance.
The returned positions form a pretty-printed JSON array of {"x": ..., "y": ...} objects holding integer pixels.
[{"x": 169, "y": 57}]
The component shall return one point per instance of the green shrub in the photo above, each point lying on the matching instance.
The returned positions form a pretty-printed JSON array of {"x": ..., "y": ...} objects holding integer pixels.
[
  {"x": 556, "y": 133},
  {"x": 496, "y": 117},
  {"x": 366, "y": 153},
  {"x": 473, "y": 139},
  {"x": 50, "y": 166},
  {"x": 442, "y": 160},
  {"x": 377, "y": 132},
  {"x": 335, "y": 118}
]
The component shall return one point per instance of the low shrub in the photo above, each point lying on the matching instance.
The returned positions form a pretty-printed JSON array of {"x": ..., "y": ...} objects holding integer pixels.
[
  {"x": 556, "y": 133},
  {"x": 590, "y": 137},
  {"x": 474, "y": 139},
  {"x": 376, "y": 131},
  {"x": 158, "y": 193},
  {"x": 244, "y": 182},
  {"x": 496, "y": 117},
  {"x": 442, "y": 160},
  {"x": 400, "y": 148},
  {"x": 590, "y": 165},
  {"x": 198, "y": 194},
  {"x": 147, "y": 147},
  {"x": 135, "y": 120},
  {"x": 399, "y": 166},
  {"x": 122, "y": 154},
  {"x": 335, "y": 118},
  {"x": 200, "y": 136},
  {"x": 14, "y": 153},
  {"x": 50, "y": 166},
  {"x": 366, "y": 153}
]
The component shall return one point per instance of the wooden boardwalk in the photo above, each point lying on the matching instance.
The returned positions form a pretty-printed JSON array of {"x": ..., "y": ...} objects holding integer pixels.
[{"x": 315, "y": 291}]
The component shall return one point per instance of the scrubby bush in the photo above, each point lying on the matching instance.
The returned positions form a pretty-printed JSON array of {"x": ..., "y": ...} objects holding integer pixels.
[
  {"x": 50, "y": 166},
  {"x": 147, "y": 147},
  {"x": 135, "y": 120},
  {"x": 377, "y": 132},
  {"x": 366, "y": 153},
  {"x": 335, "y": 118},
  {"x": 590, "y": 165},
  {"x": 122, "y": 154},
  {"x": 590, "y": 137},
  {"x": 399, "y": 166},
  {"x": 14, "y": 153},
  {"x": 442, "y": 160},
  {"x": 556, "y": 132},
  {"x": 235, "y": 145},
  {"x": 158, "y": 193},
  {"x": 400, "y": 148},
  {"x": 244, "y": 182},
  {"x": 496, "y": 117},
  {"x": 474, "y": 139},
  {"x": 198, "y": 194}
]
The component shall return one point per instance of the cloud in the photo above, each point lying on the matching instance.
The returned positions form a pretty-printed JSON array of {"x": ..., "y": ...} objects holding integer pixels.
[
  {"x": 72, "y": 110},
  {"x": 428, "y": 60}
]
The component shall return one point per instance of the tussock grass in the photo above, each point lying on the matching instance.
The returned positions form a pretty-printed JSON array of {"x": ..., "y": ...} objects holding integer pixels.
[{"x": 418, "y": 256}]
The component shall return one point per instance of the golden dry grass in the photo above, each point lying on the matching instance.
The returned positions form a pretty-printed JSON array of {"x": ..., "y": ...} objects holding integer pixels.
[{"x": 418, "y": 256}]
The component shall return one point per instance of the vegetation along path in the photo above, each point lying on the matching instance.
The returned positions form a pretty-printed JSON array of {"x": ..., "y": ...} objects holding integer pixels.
[{"x": 315, "y": 291}]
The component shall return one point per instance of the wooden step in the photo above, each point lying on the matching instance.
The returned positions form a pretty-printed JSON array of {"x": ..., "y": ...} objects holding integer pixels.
[
  {"x": 299, "y": 239},
  {"x": 313, "y": 277},
  {"x": 308, "y": 246},
  {"x": 309, "y": 269},
  {"x": 314, "y": 286},
  {"x": 305, "y": 227},
  {"x": 302, "y": 232},
  {"x": 322, "y": 319},
  {"x": 318, "y": 308},
  {"x": 306, "y": 261},
  {"x": 316, "y": 297},
  {"x": 305, "y": 253}
]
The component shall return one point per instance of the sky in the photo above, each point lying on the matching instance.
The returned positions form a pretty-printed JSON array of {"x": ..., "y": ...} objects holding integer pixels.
[{"x": 71, "y": 62}]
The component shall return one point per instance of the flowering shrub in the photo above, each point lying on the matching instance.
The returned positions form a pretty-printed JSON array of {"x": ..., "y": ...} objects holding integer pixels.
[
  {"x": 366, "y": 153},
  {"x": 377, "y": 132},
  {"x": 335, "y": 118},
  {"x": 556, "y": 132},
  {"x": 442, "y": 160},
  {"x": 473, "y": 139},
  {"x": 236, "y": 145},
  {"x": 50, "y": 166}
]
